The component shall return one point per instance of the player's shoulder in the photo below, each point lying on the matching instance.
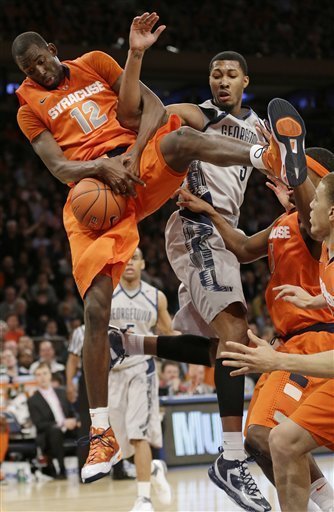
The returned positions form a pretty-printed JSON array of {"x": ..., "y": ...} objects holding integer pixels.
[{"x": 148, "y": 288}]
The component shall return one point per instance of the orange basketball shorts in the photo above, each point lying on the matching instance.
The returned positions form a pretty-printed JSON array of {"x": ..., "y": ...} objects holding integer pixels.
[
  {"x": 278, "y": 394},
  {"x": 316, "y": 415},
  {"x": 107, "y": 252}
]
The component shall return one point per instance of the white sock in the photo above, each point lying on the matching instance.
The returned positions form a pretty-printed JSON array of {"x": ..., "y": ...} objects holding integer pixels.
[
  {"x": 134, "y": 344},
  {"x": 100, "y": 417},
  {"x": 322, "y": 494},
  {"x": 144, "y": 489},
  {"x": 233, "y": 446},
  {"x": 255, "y": 155}
]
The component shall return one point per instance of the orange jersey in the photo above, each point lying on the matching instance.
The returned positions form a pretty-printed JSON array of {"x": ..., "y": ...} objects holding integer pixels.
[
  {"x": 81, "y": 112},
  {"x": 326, "y": 274},
  {"x": 290, "y": 262}
]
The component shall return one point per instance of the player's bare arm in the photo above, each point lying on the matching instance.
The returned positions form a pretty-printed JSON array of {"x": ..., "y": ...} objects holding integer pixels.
[
  {"x": 246, "y": 248},
  {"x": 109, "y": 170},
  {"x": 190, "y": 115},
  {"x": 164, "y": 323},
  {"x": 299, "y": 297},
  {"x": 141, "y": 37},
  {"x": 72, "y": 365},
  {"x": 262, "y": 359}
]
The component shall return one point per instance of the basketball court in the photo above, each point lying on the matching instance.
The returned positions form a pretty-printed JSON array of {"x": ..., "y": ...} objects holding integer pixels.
[{"x": 192, "y": 491}]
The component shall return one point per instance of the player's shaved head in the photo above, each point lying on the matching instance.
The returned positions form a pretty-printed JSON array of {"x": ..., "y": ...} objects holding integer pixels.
[
  {"x": 24, "y": 41},
  {"x": 323, "y": 156},
  {"x": 229, "y": 55}
]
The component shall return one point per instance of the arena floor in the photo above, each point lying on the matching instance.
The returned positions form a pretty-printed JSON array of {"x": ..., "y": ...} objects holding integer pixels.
[{"x": 192, "y": 491}]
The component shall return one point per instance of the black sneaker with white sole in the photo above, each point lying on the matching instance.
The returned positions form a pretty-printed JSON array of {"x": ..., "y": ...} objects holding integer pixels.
[
  {"x": 116, "y": 342},
  {"x": 288, "y": 130},
  {"x": 234, "y": 478}
]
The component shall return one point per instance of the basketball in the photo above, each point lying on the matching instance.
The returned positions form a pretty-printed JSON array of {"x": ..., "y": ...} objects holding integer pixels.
[{"x": 95, "y": 205}]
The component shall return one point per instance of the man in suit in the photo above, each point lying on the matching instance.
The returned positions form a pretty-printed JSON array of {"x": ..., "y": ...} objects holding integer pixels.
[{"x": 54, "y": 418}]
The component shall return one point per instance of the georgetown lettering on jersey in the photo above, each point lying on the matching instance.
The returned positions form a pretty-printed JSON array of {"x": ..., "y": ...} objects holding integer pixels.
[
  {"x": 238, "y": 132},
  {"x": 75, "y": 97},
  {"x": 131, "y": 313}
]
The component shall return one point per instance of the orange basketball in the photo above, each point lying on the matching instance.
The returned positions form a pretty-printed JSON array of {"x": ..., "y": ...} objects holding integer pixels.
[{"x": 95, "y": 205}]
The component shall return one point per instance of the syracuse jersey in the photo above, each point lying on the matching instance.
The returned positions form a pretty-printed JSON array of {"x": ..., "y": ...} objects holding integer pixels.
[
  {"x": 290, "y": 262},
  {"x": 326, "y": 274},
  {"x": 81, "y": 112}
]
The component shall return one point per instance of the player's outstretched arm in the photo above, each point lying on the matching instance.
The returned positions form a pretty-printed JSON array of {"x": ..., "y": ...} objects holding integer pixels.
[
  {"x": 262, "y": 359},
  {"x": 246, "y": 248},
  {"x": 299, "y": 297},
  {"x": 109, "y": 170},
  {"x": 141, "y": 37}
]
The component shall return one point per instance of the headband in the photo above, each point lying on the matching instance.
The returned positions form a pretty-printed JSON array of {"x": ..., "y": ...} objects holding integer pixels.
[{"x": 319, "y": 169}]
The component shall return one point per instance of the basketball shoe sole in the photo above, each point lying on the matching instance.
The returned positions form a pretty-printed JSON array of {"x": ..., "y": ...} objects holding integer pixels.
[{"x": 288, "y": 130}]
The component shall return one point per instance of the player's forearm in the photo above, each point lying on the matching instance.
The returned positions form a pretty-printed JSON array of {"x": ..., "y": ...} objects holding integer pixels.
[
  {"x": 315, "y": 365},
  {"x": 316, "y": 302},
  {"x": 130, "y": 94},
  {"x": 69, "y": 171},
  {"x": 245, "y": 248},
  {"x": 71, "y": 367},
  {"x": 304, "y": 195}
]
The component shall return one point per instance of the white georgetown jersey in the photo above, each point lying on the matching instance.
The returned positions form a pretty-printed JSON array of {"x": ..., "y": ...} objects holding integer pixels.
[
  {"x": 138, "y": 308},
  {"x": 223, "y": 187}
]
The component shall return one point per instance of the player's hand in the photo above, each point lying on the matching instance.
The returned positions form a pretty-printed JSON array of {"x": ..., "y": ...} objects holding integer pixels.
[
  {"x": 294, "y": 294},
  {"x": 192, "y": 202},
  {"x": 282, "y": 192},
  {"x": 141, "y": 36},
  {"x": 120, "y": 179},
  {"x": 259, "y": 359},
  {"x": 263, "y": 131},
  {"x": 131, "y": 162}
]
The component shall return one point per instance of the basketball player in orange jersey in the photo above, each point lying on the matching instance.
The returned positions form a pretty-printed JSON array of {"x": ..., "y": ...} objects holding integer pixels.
[
  {"x": 311, "y": 425},
  {"x": 70, "y": 113},
  {"x": 293, "y": 256}
]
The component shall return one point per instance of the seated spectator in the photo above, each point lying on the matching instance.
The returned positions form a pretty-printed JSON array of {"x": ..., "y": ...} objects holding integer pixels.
[
  {"x": 196, "y": 380},
  {"x": 40, "y": 310},
  {"x": 25, "y": 359},
  {"x": 10, "y": 362},
  {"x": 43, "y": 285},
  {"x": 26, "y": 342},
  {"x": 47, "y": 355},
  {"x": 8, "y": 304},
  {"x": 54, "y": 418},
  {"x": 21, "y": 307},
  {"x": 3, "y": 330},
  {"x": 170, "y": 379},
  {"x": 14, "y": 330},
  {"x": 11, "y": 345}
]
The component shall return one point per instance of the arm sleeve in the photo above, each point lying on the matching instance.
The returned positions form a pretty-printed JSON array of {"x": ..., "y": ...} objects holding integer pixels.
[
  {"x": 104, "y": 65},
  {"x": 29, "y": 123}
]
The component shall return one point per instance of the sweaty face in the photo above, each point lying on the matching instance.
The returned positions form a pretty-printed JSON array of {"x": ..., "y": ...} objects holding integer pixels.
[
  {"x": 320, "y": 210},
  {"x": 42, "y": 66},
  {"x": 227, "y": 82}
]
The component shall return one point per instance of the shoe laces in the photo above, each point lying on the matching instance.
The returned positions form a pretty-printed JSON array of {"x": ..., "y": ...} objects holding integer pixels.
[
  {"x": 95, "y": 441},
  {"x": 250, "y": 484}
]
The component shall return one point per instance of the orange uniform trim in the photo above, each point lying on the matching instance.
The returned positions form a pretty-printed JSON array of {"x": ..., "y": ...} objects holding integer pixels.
[{"x": 315, "y": 166}]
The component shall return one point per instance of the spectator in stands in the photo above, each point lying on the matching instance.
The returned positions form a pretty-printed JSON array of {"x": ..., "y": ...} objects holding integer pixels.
[
  {"x": 8, "y": 304},
  {"x": 9, "y": 361},
  {"x": 43, "y": 285},
  {"x": 25, "y": 342},
  {"x": 3, "y": 330},
  {"x": 12, "y": 346},
  {"x": 21, "y": 307},
  {"x": 170, "y": 379},
  {"x": 15, "y": 331},
  {"x": 195, "y": 380},
  {"x": 47, "y": 355},
  {"x": 54, "y": 418},
  {"x": 25, "y": 359}
]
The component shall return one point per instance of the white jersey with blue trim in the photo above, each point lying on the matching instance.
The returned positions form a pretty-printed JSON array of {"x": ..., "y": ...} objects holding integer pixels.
[
  {"x": 223, "y": 187},
  {"x": 138, "y": 308}
]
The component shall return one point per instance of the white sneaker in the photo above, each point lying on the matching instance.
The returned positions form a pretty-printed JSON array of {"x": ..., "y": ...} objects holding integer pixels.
[
  {"x": 142, "y": 504},
  {"x": 159, "y": 481}
]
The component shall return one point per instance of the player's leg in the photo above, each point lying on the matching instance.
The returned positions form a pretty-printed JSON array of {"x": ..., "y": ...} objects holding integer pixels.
[
  {"x": 230, "y": 470},
  {"x": 143, "y": 461},
  {"x": 104, "y": 449},
  {"x": 185, "y": 348},
  {"x": 289, "y": 446}
]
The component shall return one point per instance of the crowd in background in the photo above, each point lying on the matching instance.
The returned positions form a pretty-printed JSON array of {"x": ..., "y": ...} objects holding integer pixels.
[{"x": 262, "y": 27}]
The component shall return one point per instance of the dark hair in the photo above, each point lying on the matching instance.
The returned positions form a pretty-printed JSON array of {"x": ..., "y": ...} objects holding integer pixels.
[
  {"x": 322, "y": 156},
  {"x": 229, "y": 55},
  {"x": 23, "y": 42},
  {"x": 42, "y": 365}
]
